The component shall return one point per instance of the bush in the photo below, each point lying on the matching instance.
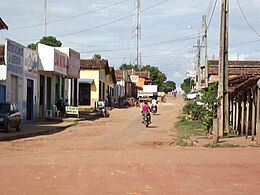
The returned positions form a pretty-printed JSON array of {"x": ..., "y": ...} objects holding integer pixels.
[
  {"x": 208, "y": 111},
  {"x": 193, "y": 110}
]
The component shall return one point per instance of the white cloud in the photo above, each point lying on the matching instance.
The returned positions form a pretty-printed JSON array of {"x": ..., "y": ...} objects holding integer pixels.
[{"x": 166, "y": 22}]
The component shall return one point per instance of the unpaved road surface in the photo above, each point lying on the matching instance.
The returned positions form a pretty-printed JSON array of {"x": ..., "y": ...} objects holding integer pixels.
[{"x": 119, "y": 155}]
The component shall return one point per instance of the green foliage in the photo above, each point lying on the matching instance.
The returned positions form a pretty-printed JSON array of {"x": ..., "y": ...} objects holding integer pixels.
[
  {"x": 49, "y": 40},
  {"x": 97, "y": 57},
  {"x": 156, "y": 75},
  {"x": 211, "y": 101},
  {"x": 187, "y": 129},
  {"x": 225, "y": 145},
  {"x": 193, "y": 110},
  {"x": 208, "y": 111},
  {"x": 187, "y": 85},
  {"x": 32, "y": 46},
  {"x": 168, "y": 86},
  {"x": 129, "y": 67}
]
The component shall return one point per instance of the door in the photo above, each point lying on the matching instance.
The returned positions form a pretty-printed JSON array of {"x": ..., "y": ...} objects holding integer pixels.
[
  {"x": 42, "y": 94},
  {"x": 29, "y": 99},
  {"x": 49, "y": 107},
  {"x": 2, "y": 93},
  {"x": 14, "y": 89}
]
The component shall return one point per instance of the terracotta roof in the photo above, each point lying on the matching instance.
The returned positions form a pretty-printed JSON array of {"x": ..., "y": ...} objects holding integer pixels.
[
  {"x": 3, "y": 25},
  {"x": 236, "y": 67},
  {"x": 236, "y": 63},
  {"x": 240, "y": 84},
  {"x": 94, "y": 64}
]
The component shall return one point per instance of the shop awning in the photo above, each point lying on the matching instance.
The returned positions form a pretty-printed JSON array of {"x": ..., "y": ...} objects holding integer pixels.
[{"x": 88, "y": 81}]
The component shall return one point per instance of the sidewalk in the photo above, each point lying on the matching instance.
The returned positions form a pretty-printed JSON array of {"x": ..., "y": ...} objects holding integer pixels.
[{"x": 44, "y": 126}]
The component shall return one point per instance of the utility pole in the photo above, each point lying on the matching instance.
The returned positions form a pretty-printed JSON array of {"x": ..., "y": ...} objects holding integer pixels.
[
  {"x": 198, "y": 74},
  {"x": 206, "y": 77},
  {"x": 223, "y": 107}
]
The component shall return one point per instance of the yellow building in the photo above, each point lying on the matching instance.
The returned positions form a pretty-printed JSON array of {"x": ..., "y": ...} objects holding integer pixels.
[{"x": 96, "y": 82}]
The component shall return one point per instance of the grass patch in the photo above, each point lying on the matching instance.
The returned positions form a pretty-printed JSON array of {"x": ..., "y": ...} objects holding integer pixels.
[
  {"x": 226, "y": 145},
  {"x": 188, "y": 129}
]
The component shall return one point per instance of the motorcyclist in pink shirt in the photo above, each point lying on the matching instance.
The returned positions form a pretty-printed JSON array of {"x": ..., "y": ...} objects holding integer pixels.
[{"x": 146, "y": 109}]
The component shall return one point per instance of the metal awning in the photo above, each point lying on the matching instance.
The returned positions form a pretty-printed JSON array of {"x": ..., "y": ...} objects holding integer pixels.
[{"x": 88, "y": 81}]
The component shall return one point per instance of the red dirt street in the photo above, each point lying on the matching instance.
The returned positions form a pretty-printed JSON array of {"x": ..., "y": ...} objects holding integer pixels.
[{"x": 119, "y": 155}]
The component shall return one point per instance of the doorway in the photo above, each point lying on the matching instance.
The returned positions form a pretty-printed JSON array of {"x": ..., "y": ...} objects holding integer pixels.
[{"x": 29, "y": 108}]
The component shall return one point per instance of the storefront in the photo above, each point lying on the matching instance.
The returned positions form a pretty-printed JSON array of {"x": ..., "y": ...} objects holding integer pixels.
[
  {"x": 21, "y": 78},
  {"x": 71, "y": 81},
  {"x": 52, "y": 71}
]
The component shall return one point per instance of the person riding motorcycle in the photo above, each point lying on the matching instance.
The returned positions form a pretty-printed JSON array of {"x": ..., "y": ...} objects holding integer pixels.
[
  {"x": 154, "y": 105},
  {"x": 146, "y": 109}
]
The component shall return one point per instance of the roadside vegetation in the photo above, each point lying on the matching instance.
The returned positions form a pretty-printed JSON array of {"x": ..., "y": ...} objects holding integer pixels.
[
  {"x": 188, "y": 129},
  {"x": 198, "y": 120}
]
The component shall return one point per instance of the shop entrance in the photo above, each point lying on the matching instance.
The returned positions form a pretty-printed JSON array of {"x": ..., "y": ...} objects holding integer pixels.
[{"x": 29, "y": 99}]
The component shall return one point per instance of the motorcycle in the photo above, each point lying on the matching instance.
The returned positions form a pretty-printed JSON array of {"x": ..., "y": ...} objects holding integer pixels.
[
  {"x": 146, "y": 119},
  {"x": 102, "y": 108},
  {"x": 154, "y": 109}
]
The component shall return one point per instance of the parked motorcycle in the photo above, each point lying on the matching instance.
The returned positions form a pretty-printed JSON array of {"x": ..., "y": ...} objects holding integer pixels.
[
  {"x": 102, "y": 108},
  {"x": 154, "y": 109}
]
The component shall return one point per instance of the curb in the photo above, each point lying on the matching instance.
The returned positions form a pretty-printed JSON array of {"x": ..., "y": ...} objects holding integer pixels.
[{"x": 34, "y": 134}]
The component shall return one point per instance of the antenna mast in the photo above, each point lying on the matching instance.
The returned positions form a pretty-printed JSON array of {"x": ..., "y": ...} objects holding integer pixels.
[
  {"x": 45, "y": 18},
  {"x": 136, "y": 33}
]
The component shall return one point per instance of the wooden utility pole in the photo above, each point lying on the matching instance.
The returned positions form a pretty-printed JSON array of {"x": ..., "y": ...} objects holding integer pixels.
[
  {"x": 206, "y": 77},
  {"x": 223, "y": 111}
]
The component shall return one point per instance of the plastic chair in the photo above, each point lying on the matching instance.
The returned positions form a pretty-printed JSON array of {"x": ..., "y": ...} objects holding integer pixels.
[
  {"x": 56, "y": 112},
  {"x": 48, "y": 113}
]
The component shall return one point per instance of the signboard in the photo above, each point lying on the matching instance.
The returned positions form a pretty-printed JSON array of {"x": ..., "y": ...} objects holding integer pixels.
[
  {"x": 30, "y": 63},
  {"x": 73, "y": 68},
  {"x": 14, "y": 57},
  {"x": 52, "y": 60},
  {"x": 134, "y": 78},
  {"x": 60, "y": 62},
  {"x": 150, "y": 88},
  {"x": 191, "y": 73}
]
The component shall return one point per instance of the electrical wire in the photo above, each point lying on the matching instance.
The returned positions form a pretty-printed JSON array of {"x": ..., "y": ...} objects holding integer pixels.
[
  {"x": 68, "y": 18},
  {"x": 247, "y": 19},
  {"x": 112, "y": 22},
  {"x": 212, "y": 13}
]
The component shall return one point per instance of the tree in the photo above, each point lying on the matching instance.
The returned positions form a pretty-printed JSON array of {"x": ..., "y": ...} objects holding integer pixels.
[
  {"x": 32, "y": 46},
  {"x": 48, "y": 40},
  {"x": 129, "y": 67},
  {"x": 211, "y": 100},
  {"x": 97, "y": 57},
  {"x": 156, "y": 75},
  {"x": 187, "y": 85},
  {"x": 168, "y": 86}
]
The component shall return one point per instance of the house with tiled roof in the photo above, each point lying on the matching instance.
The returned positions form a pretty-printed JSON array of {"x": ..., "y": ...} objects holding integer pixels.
[
  {"x": 96, "y": 81},
  {"x": 244, "y": 96},
  {"x": 124, "y": 84},
  {"x": 235, "y": 68}
]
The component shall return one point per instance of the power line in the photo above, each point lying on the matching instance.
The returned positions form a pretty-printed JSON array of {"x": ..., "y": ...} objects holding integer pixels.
[
  {"x": 68, "y": 18},
  {"x": 212, "y": 13},
  {"x": 247, "y": 19},
  {"x": 112, "y": 22},
  {"x": 148, "y": 45}
]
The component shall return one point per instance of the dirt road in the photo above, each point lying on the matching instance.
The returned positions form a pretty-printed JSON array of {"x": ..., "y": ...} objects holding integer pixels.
[{"x": 119, "y": 155}]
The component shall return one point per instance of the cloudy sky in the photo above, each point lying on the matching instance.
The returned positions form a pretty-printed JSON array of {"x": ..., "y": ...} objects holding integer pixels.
[{"x": 169, "y": 29}]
